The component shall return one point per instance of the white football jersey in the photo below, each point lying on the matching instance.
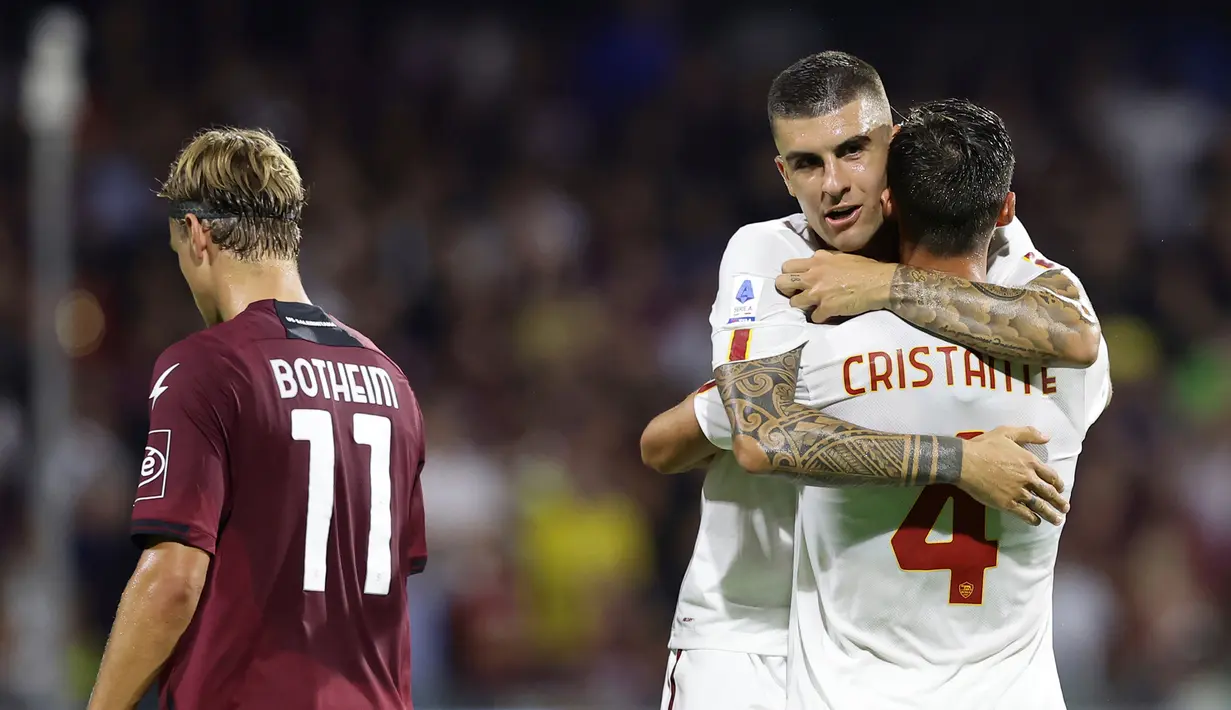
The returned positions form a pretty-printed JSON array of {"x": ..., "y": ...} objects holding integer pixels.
[
  {"x": 919, "y": 598},
  {"x": 924, "y": 598},
  {"x": 736, "y": 594}
]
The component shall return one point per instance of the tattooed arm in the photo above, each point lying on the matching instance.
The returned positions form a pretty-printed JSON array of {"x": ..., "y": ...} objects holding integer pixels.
[
  {"x": 1044, "y": 322},
  {"x": 773, "y": 434}
]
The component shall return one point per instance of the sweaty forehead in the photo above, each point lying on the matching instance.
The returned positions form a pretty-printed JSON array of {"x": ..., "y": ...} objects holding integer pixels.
[{"x": 826, "y": 132}]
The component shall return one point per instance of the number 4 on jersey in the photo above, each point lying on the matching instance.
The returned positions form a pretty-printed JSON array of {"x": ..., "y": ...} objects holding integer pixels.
[{"x": 967, "y": 556}]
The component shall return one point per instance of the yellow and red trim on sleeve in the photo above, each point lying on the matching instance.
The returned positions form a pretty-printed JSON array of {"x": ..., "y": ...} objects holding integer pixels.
[
  {"x": 739, "y": 345},
  {"x": 737, "y": 351}
]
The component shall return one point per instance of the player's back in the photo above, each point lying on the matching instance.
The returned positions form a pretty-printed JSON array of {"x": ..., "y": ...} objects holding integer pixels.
[
  {"x": 914, "y": 598},
  {"x": 320, "y": 519}
]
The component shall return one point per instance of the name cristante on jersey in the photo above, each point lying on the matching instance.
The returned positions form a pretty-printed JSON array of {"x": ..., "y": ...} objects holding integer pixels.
[{"x": 926, "y": 366}]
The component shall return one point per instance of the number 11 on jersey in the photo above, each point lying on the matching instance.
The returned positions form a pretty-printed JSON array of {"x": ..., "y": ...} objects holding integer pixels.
[{"x": 315, "y": 426}]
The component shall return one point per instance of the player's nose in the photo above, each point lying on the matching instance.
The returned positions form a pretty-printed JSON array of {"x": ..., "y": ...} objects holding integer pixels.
[{"x": 836, "y": 184}]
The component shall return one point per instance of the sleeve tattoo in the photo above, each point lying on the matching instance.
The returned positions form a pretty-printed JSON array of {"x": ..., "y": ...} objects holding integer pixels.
[
  {"x": 1043, "y": 322},
  {"x": 813, "y": 448}
]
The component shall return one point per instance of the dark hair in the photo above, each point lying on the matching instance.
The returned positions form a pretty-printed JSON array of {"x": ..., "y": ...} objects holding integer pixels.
[
  {"x": 820, "y": 84},
  {"x": 950, "y": 167}
]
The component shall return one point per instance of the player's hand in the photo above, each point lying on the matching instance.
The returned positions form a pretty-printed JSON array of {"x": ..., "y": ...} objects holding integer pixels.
[
  {"x": 834, "y": 284},
  {"x": 999, "y": 473}
]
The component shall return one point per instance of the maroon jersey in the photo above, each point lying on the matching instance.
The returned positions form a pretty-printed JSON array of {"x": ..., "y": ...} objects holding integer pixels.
[{"x": 288, "y": 447}]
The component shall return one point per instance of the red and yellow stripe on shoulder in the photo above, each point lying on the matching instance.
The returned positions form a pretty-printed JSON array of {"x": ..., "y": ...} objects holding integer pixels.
[
  {"x": 1048, "y": 266},
  {"x": 739, "y": 345},
  {"x": 738, "y": 351},
  {"x": 1038, "y": 260}
]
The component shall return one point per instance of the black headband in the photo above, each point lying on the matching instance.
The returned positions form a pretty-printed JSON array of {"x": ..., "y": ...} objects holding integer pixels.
[
  {"x": 182, "y": 208},
  {"x": 204, "y": 210}
]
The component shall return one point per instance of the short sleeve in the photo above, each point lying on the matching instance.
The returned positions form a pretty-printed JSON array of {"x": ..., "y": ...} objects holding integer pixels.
[
  {"x": 183, "y": 485},
  {"x": 712, "y": 417},
  {"x": 1083, "y": 297},
  {"x": 750, "y": 320},
  {"x": 1040, "y": 266},
  {"x": 1022, "y": 263}
]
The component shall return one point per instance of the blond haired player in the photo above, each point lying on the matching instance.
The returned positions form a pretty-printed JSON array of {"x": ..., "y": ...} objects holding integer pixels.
[
  {"x": 279, "y": 508},
  {"x": 832, "y": 124},
  {"x": 908, "y": 598}
]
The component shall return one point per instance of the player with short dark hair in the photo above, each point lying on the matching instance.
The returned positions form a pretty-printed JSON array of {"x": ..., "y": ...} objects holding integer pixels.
[
  {"x": 831, "y": 122},
  {"x": 822, "y": 83},
  {"x": 885, "y": 611},
  {"x": 279, "y": 506},
  {"x": 950, "y": 166},
  {"x": 832, "y": 125}
]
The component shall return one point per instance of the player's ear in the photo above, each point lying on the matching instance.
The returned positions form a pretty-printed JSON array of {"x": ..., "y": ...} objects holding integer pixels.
[
  {"x": 887, "y": 203},
  {"x": 781, "y": 165},
  {"x": 199, "y": 238},
  {"x": 896, "y": 127},
  {"x": 1008, "y": 211}
]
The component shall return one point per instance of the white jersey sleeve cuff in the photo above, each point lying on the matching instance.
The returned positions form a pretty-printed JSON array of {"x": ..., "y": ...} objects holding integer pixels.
[{"x": 712, "y": 418}]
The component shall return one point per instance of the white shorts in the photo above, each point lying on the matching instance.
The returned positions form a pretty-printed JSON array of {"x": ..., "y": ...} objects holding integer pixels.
[{"x": 724, "y": 680}]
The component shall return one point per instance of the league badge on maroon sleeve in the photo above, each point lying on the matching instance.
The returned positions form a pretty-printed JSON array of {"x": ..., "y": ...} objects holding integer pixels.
[{"x": 153, "y": 484}]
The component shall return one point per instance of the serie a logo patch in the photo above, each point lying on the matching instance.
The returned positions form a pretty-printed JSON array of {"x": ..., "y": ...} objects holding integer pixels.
[{"x": 747, "y": 292}]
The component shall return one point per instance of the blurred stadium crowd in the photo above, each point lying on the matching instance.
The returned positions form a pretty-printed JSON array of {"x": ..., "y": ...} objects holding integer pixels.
[{"x": 527, "y": 213}]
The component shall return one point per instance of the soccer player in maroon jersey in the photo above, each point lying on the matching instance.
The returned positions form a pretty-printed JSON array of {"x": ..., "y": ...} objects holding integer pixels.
[{"x": 279, "y": 504}]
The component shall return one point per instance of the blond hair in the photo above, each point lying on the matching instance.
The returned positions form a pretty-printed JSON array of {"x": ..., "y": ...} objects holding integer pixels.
[{"x": 244, "y": 185}]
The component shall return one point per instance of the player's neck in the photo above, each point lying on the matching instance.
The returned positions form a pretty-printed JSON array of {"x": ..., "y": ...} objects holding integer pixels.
[
  {"x": 884, "y": 245},
  {"x": 968, "y": 266},
  {"x": 245, "y": 284}
]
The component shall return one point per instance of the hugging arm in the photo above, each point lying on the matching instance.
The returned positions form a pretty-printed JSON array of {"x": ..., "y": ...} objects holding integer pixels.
[
  {"x": 1042, "y": 322},
  {"x": 673, "y": 441},
  {"x": 773, "y": 434},
  {"x": 757, "y": 338}
]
